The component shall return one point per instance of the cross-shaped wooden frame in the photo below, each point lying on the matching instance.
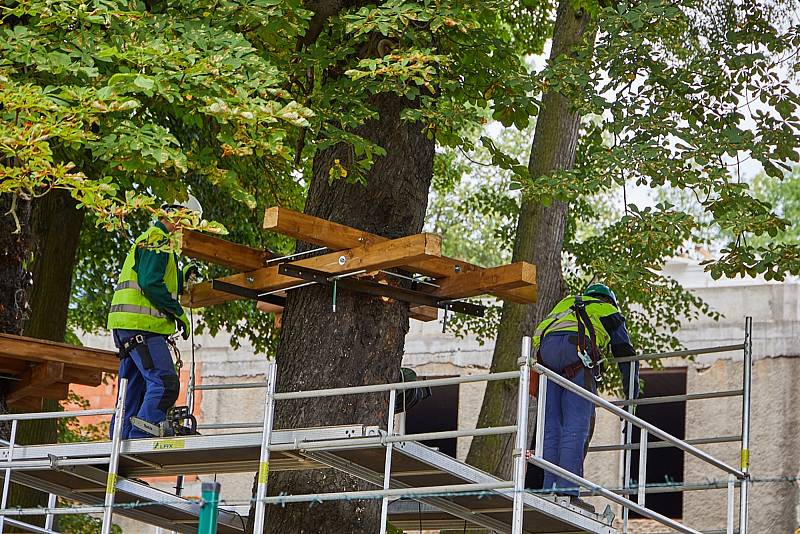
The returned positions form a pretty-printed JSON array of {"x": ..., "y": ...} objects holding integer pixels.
[{"x": 351, "y": 251}]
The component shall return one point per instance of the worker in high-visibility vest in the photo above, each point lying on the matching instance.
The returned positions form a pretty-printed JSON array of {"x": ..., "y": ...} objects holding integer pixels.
[
  {"x": 569, "y": 341},
  {"x": 145, "y": 311}
]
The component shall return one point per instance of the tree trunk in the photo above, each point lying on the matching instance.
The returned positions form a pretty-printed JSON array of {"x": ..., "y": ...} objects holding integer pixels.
[
  {"x": 539, "y": 239},
  {"x": 362, "y": 343},
  {"x": 56, "y": 228},
  {"x": 15, "y": 279}
]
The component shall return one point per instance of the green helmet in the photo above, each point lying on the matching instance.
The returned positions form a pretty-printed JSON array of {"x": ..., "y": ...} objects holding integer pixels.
[{"x": 602, "y": 291}]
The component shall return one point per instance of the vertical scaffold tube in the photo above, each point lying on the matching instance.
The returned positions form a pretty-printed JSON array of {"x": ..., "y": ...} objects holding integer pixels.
[
  {"x": 209, "y": 510},
  {"x": 628, "y": 453},
  {"x": 521, "y": 449},
  {"x": 387, "y": 465},
  {"x": 113, "y": 462},
  {"x": 7, "y": 477},
  {"x": 266, "y": 438},
  {"x": 747, "y": 374}
]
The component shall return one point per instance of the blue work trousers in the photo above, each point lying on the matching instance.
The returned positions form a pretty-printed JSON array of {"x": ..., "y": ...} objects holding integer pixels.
[
  {"x": 567, "y": 416},
  {"x": 152, "y": 381}
]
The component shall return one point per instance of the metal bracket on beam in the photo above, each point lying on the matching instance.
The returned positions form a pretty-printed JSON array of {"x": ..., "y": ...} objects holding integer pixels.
[
  {"x": 247, "y": 293},
  {"x": 381, "y": 290}
]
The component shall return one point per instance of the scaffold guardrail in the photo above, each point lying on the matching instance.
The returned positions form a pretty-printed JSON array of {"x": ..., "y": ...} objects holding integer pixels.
[{"x": 389, "y": 438}]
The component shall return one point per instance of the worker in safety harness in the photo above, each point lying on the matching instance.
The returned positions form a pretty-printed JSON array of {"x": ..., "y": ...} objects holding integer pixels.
[
  {"x": 569, "y": 341},
  {"x": 145, "y": 311}
]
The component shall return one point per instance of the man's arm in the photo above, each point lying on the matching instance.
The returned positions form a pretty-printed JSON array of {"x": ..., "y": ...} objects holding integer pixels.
[
  {"x": 151, "y": 266},
  {"x": 620, "y": 347}
]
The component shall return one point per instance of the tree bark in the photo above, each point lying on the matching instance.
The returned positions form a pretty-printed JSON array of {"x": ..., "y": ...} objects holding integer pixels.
[
  {"x": 15, "y": 278},
  {"x": 362, "y": 343},
  {"x": 539, "y": 239},
  {"x": 56, "y": 227}
]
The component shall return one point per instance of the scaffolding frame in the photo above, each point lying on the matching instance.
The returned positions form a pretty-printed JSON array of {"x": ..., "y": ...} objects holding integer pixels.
[
  {"x": 740, "y": 477},
  {"x": 513, "y": 489}
]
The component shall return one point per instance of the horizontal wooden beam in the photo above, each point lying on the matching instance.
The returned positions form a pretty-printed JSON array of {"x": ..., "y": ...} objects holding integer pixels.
[
  {"x": 212, "y": 249},
  {"x": 383, "y": 255},
  {"x": 39, "y": 350},
  {"x": 84, "y": 377},
  {"x": 335, "y": 236},
  {"x": 424, "y": 313},
  {"x": 26, "y": 405},
  {"x": 36, "y": 379},
  {"x": 481, "y": 282},
  {"x": 57, "y": 391}
]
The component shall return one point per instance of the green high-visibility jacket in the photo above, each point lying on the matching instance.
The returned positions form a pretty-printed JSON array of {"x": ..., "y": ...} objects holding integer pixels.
[
  {"x": 146, "y": 294},
  {"x": 562, "y": 319},
  {"x": 609, "y": 327}
]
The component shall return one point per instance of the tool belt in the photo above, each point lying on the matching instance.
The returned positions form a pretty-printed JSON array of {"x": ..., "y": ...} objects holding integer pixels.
[{"x": 132, "y": 343}]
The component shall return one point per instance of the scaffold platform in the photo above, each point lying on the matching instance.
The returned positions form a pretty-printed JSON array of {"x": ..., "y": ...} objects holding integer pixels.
[{"x": 67, "y": 470}]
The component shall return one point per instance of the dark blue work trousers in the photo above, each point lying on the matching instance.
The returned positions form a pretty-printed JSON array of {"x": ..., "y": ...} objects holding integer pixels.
[
  {"x": 152, "y": 381},
  {"x": 567, "y": 416}
]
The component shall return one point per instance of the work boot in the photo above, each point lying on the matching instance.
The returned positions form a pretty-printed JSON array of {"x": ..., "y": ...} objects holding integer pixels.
[{"x": 580, "y": 503}]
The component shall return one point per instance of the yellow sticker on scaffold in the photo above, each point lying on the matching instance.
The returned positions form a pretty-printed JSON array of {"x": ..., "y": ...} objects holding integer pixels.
[
  {"x": 745, "y": 459},
  {"x": 166, "y": 444},
  {"x": 263, "y": 472},
  {"x": 111, "y": 483}
]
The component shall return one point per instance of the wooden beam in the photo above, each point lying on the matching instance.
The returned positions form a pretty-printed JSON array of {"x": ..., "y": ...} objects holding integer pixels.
[
  {"x": 39, "y": 350},
  {"x": 316, "y": 231},
  {"x": 474, "y": 283},
  {"x": 57, "y": 391},
  {"x": 383, "y": 255},
  {"x": 26, "y": 405},
  {"x": 212, "y": 249},
  {"x": 37, "y": 378},
  {"x": 336, "y": 236},
  {"x": 12, "y": 366},
  {"x": 424, "y": 313},
  {"x": 84, "y": 377}
]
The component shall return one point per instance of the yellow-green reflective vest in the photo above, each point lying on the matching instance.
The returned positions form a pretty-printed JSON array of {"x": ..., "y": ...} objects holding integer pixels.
[
  {"x": 130, "y": 309},
  {"x": 562, "y": 319}
]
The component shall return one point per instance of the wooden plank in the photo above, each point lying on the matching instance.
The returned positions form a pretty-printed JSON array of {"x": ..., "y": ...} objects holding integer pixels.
[
  {"x": 316, "y": 231},
  {"x": 84, "y": 377},
  {"x": 26, "y": 405},
  {"x": 37, "y": 378},
  {"x": 57, "y": 391},
  {"x": 39, "y": 350},
  {"x": 424, "y": 313},
  {"x": 11, "y": 366},
  {"x": 336, "y": 236},
  {"x": 472, "y": 284},
  {"x": 382, "y": 255},
  {"x": 212, "y": 249}
]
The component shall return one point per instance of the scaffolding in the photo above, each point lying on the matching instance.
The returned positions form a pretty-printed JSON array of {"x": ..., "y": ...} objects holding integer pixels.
[{"x": 103, "y": 475}]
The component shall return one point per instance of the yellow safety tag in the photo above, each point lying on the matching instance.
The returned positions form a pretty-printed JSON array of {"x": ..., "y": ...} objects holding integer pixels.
[
  {"x": 111, "y": 483},
  {"x": 263, "y": 472},
  {"x": 745, "y": 459},
  {"x": 164, "y": 444}
]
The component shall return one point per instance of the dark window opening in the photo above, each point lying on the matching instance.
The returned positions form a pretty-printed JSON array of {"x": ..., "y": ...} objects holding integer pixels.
[
  {"x": 663, "y": 465},
  {"x": 437, "y": 413}
]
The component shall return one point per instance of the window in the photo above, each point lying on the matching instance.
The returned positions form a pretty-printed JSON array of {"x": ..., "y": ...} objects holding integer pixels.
[
  {"x": 437, "y": 413},
  {"x": 663, "y": 465}
]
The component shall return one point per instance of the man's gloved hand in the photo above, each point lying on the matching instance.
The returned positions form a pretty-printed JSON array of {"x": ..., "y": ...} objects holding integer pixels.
[
  {"x": 184, "y": 325},
  {"x": 191, "y": 273}
]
